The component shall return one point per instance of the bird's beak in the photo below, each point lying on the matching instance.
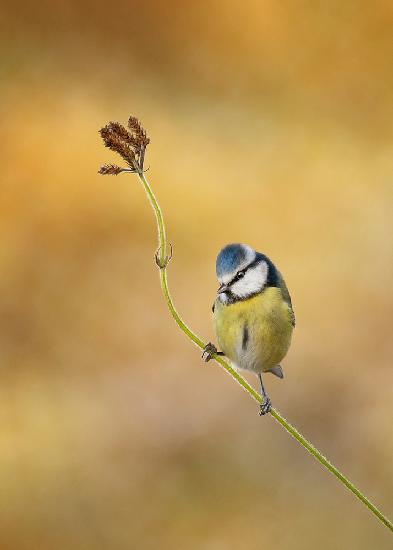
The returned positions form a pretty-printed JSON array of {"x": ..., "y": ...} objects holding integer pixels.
[{"x": 223, "y": 288}]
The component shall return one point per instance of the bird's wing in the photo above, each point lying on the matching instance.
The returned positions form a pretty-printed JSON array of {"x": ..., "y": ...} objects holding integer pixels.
[{"x": 287, "y": 297}]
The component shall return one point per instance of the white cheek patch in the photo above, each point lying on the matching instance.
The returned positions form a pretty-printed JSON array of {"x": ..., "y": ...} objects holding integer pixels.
[
  {"x": 253, "y": 281},
  {"x": 249, "y": 258}
]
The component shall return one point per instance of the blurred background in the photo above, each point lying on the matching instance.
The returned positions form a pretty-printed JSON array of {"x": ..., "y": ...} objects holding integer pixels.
[{"x": 271, "y": 123}]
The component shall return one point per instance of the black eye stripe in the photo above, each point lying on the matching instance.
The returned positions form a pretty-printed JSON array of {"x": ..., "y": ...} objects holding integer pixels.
[
  {"x": 239, "y": 275},
  {"x": 272, "y": 278}
]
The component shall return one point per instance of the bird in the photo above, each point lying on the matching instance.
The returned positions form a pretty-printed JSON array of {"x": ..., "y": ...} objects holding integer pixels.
[{"x": 253, "y": 314}]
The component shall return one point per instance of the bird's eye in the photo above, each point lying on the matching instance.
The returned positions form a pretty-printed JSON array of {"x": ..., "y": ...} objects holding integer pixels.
[{"x": 240, "y": 275}]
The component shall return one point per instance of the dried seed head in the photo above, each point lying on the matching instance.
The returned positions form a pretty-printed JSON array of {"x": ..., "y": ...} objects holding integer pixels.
[
  {"x": 130, "y": 145},
  {"x": 122, "y": 133},
  {"x": 110, "y": 169},
  {"x": 116, "y": 143},
  {"x": 138, "y": 131}
]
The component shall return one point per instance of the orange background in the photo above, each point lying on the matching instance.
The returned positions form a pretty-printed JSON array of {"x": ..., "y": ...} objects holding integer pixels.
[{"x": 270, "y": 124}]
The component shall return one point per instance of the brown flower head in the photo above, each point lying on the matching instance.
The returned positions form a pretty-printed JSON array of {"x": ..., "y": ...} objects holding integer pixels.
[
  {"x": 129, "y": 144},
  {"x": 110, "y": 169}
]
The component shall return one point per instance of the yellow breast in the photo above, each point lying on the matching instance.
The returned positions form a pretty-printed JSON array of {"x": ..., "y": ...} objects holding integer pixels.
[{"x": 255, "y": 334}]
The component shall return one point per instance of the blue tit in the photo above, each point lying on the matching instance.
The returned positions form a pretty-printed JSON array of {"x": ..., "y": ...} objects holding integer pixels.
[{"x": 253, "y": 315}]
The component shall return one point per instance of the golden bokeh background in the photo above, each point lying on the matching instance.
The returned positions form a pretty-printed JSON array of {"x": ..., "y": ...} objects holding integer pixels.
[{"x": 271, "y": 123}]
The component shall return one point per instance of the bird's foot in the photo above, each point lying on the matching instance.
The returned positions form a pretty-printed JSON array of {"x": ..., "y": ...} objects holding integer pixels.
[
  {"x": 265, "y": 406},
  {"x": 208, "y": 351}
]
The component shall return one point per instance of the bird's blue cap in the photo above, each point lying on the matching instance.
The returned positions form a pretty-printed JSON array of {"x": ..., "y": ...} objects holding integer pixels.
[{"x": 232, "y": 258}]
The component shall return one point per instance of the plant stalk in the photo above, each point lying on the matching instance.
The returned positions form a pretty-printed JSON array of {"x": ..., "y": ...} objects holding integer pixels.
[{"x": 162, "y": 260}]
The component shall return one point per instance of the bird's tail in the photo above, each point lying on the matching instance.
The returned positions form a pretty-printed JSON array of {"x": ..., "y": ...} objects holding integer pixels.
[{"x": 277, "y": 371}]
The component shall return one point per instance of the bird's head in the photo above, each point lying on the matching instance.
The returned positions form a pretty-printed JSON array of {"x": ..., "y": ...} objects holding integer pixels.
[{"x": 242, "y": 272}]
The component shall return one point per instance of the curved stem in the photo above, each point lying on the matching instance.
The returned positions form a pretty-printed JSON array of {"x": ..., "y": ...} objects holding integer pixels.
[
  {"x": 159, "y": 216},
  {"x": 245, "y": 385}
]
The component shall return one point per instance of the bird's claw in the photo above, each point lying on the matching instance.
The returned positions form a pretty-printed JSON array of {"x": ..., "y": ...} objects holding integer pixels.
[
  {"x": 265, "y": 407},
  {"x": 208, "y": 351}
]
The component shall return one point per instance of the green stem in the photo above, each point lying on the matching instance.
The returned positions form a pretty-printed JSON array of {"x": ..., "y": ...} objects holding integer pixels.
[{"x": 245, "y": 385}]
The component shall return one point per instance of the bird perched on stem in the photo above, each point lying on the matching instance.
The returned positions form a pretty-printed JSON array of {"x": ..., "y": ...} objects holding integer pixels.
[{"x": 253, "y": 315}]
